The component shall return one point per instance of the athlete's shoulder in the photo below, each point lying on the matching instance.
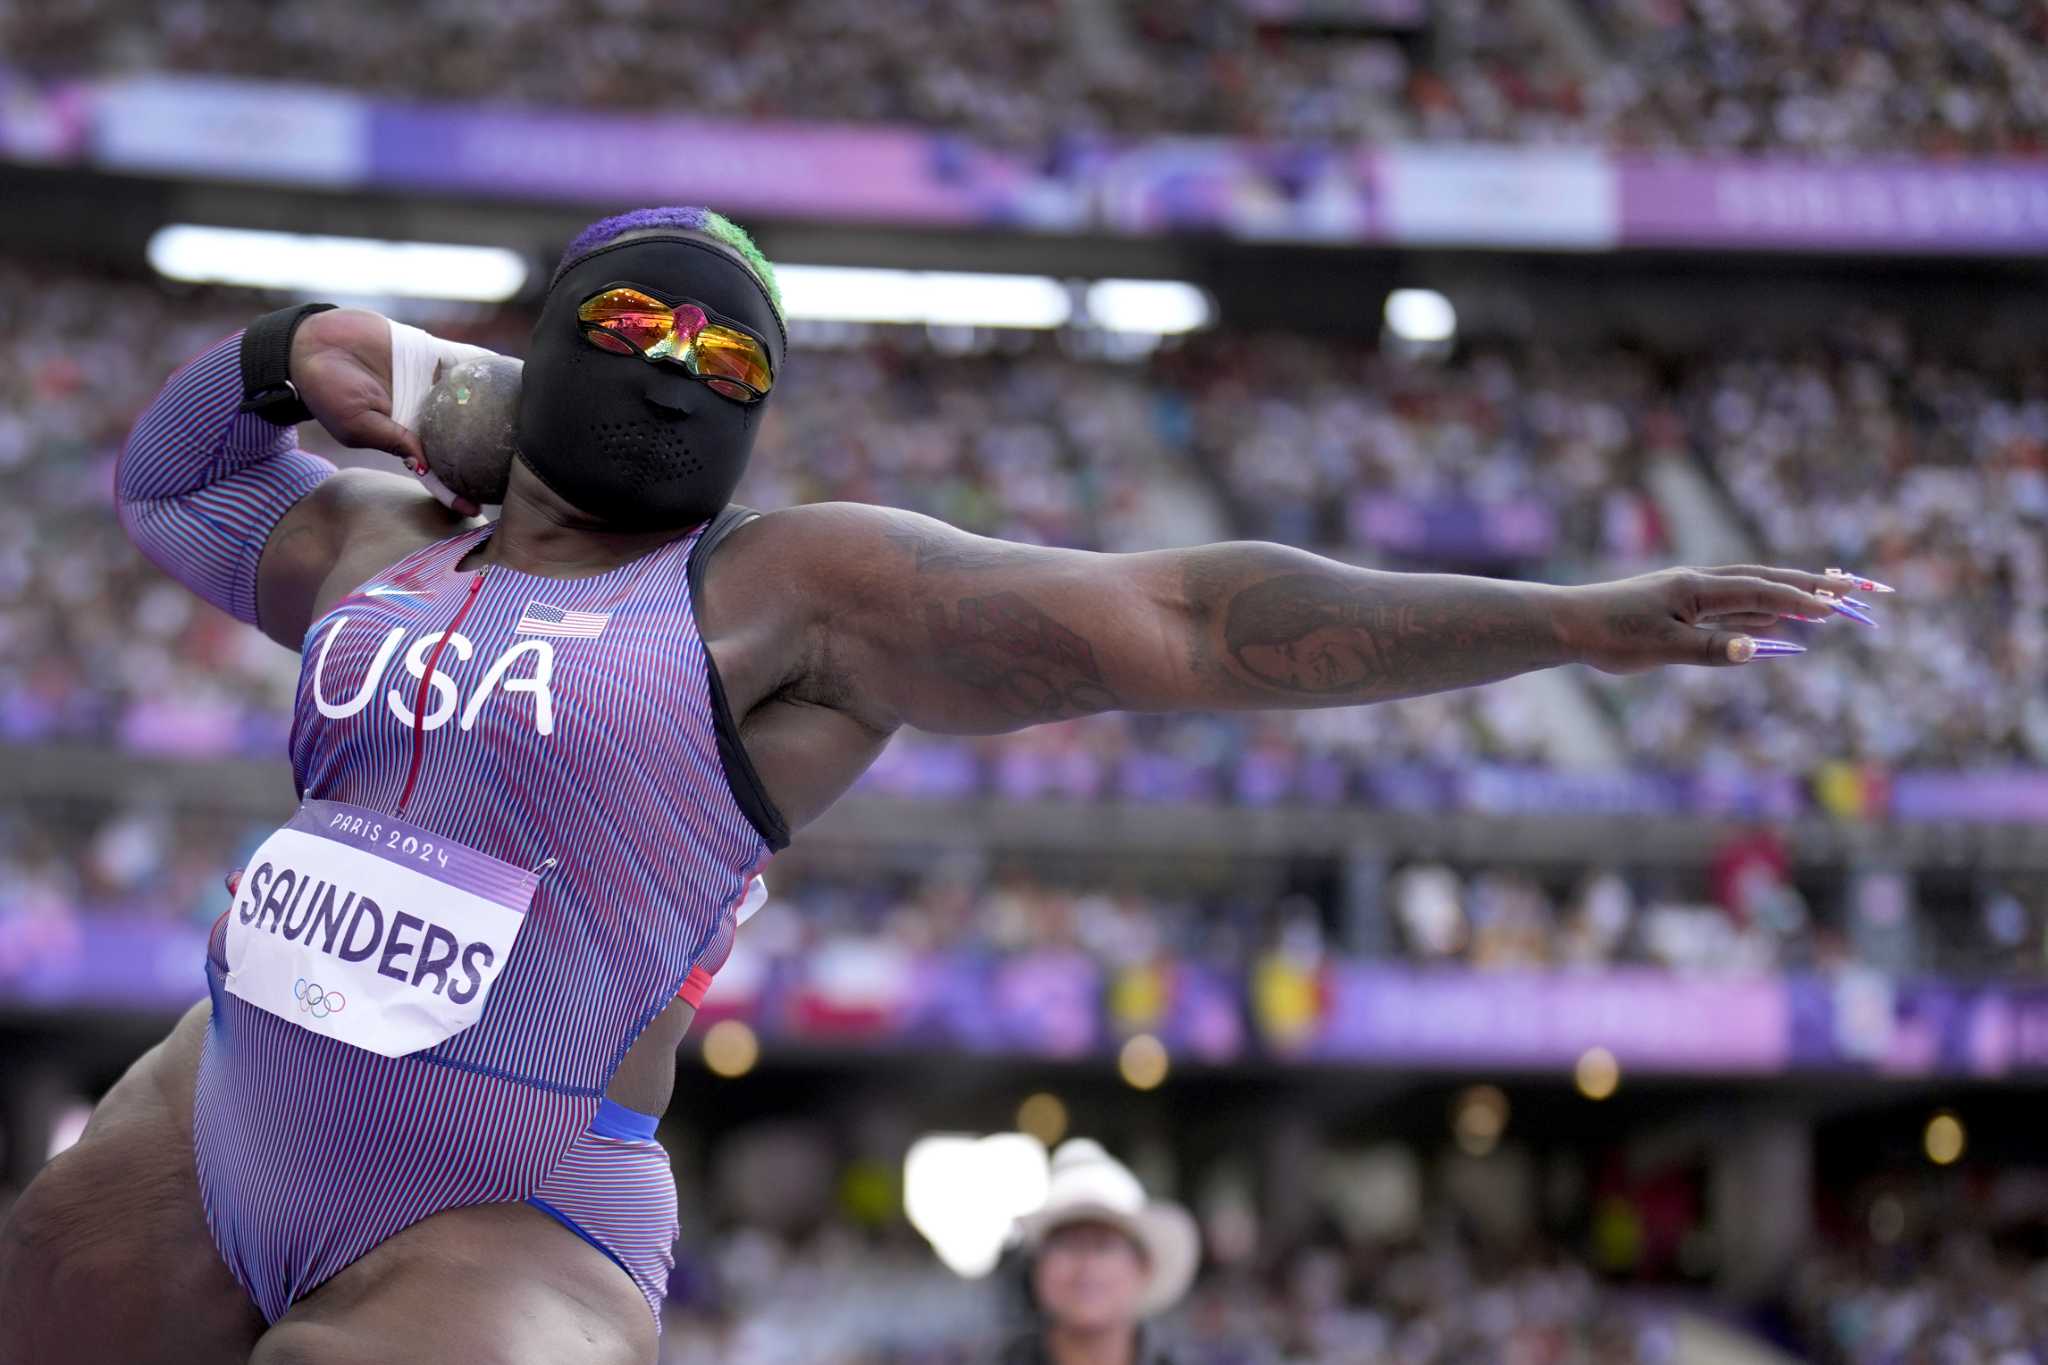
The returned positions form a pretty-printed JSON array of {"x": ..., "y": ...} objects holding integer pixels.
[
  {"x": 344, "y": 530},
  {"x": 831, "y": 539},
  {"x": 812, "y": 519},
  {"x": 753, "y": 572},
  {"x": 823, "y": 559},
  {"x": 767, "y": 591}
]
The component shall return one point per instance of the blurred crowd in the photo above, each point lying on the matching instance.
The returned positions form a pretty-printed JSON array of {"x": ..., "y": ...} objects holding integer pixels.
[
  {"x": 163, "y": 860},
  {"x": 1959, "y": 1300},
  {"x": 1935, "y": 1267},
  {"x": 1924, "y": 471},
  {"x": 1956, "y": 1300},
  {"x": 1400, "y": 1259},
  {"x": 870, "y": 1302},
  {"x": 1938, "y": 77},
  {"x": 1956, "y": 76},
  {"x": 1744, "y": 913},
  {"x": 94, "y": 642}
]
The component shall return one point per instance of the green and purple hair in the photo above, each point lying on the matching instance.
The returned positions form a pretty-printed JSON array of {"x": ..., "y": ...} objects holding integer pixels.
[{"x": 688, "y": 218}]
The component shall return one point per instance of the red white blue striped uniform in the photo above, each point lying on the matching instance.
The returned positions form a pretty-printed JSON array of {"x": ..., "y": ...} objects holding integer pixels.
[
  {"x": 199, "y": 486},
  {"x": 606, "y": 750}
]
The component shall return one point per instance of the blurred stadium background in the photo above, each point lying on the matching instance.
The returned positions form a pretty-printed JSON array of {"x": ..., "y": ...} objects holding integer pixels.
[{"x": 1696, "y": 1017}]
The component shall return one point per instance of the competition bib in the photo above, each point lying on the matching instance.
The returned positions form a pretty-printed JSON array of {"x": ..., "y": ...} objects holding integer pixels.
[{"x": 370, "y": 929}]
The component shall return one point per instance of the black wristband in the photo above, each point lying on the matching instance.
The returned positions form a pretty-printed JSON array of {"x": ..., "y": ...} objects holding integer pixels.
[{"x": 267, "y": 388}]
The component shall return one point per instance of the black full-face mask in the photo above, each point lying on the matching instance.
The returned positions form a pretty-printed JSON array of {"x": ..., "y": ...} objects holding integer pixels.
[{"x": 639, "y": 445}]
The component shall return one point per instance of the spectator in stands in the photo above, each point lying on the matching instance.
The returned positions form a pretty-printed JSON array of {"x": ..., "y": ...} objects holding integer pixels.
[{"x": 1104, "y": 1258}]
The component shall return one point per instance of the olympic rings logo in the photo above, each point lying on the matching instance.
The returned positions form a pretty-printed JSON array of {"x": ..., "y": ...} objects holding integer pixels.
[{"x": 315, "y": 1001}]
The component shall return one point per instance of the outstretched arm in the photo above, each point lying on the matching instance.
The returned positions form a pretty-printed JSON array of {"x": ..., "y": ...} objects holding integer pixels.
[{"x": 908, "y": 621}]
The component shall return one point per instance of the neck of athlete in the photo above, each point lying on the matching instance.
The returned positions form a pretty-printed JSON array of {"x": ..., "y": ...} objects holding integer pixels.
[{"x": 540, "y": 533}]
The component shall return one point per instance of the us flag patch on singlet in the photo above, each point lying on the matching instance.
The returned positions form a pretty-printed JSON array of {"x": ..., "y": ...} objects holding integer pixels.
[{"x": 540, "y": 618}]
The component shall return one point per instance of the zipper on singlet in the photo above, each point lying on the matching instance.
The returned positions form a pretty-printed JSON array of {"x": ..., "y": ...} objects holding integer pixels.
[{"x": 419, "y": 703}]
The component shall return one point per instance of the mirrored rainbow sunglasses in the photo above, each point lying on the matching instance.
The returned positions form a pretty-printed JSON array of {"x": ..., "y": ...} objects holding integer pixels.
[{"x": 627, "y": 322}]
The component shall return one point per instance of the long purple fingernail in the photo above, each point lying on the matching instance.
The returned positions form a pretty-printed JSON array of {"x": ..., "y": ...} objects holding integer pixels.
[
  {"x": 1767, "y": 648},
  {"x": 1856, "y": 611},
  {"x": 1861, "y": 583},
  {"x": 1810, "y": 620}
]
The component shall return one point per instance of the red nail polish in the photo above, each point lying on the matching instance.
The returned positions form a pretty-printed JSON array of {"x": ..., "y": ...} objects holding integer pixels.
[{"x": 1861, "y": 583}]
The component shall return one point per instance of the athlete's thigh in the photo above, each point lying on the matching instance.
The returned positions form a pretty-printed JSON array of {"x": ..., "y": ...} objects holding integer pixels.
[
  {"x": 496, "y": 1284},
  {"x": 106, "y": 1256}
]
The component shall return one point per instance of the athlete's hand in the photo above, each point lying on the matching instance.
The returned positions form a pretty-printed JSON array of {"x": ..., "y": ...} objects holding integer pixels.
[
  {"x": 341, "y": 366},
  {"x": 1701, "y": 616}
]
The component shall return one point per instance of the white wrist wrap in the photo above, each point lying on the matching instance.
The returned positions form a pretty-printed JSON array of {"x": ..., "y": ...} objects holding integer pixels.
[{"x": 416, "y": 360}]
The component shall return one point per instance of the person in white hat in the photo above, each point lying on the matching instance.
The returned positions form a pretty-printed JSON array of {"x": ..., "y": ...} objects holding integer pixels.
[{"x": 1104, "y": 1258}]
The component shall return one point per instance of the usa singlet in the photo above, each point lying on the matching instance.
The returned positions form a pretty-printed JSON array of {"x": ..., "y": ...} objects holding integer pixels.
[{"x": 574, "y": 729}]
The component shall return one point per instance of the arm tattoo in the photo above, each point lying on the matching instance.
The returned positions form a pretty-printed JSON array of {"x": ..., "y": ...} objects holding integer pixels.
[
  {"x": 1307, "y": 634},
  {"x": 1204, "y": 585},
  {"x": 936, "y": 551},
  {"x": 1319, "y": 635},
  {"x": 1032, "y": 667}
]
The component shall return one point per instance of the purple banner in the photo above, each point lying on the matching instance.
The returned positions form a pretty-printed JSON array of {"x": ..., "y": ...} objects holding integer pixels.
[
  {"x": 1481, "y": 196},
  {"x": 2012, "y": 796},
  {"x": 1860, "y": 1020},
  {"x": 1046, "y": 1004},
  {"x": 1897, "y": 205},
  {"x": 830, "y": 171},
  {"x": 1496, "y": 789},
  {"x": 1251, "y": 190},
  {"x": 43, "y": 122},
  {"x": 131, "y": 963},
  {"x": 1650, "y": 1020}
]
